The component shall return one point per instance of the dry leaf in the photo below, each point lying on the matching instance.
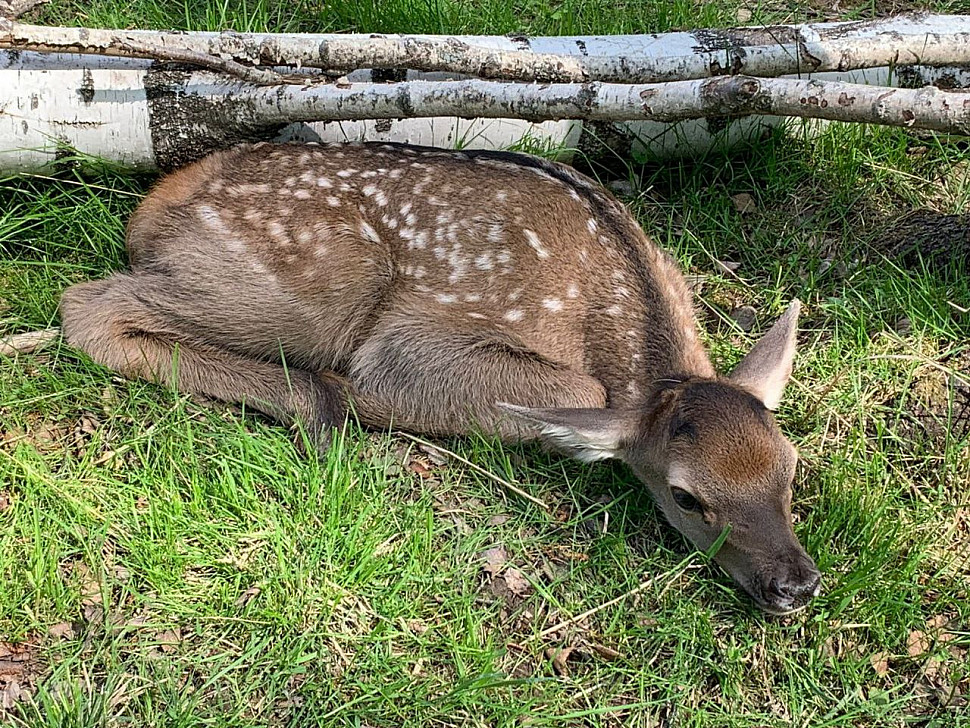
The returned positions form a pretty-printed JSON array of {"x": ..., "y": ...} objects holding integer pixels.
[
  {"x": 880, "y": 663},
  {"x": 247, "y": 596},
  {"x": 4, "y": 501},
  {"x": 559, "y": 658},
  {"x": 61, "y": 630},
  {"x": 516, "y": 583},
  {"x": 493, "y": 521},
  {"x": 917, "y": 644},
  {"x": 495, "y": 559},
  {"x": 607, "y": 653},
  {"x": 744, "y": 203},
  {"x": 169, "y": 639}
]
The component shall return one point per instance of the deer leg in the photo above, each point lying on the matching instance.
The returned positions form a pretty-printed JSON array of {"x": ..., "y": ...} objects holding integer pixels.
[
  {"x": 115, "y": 323},
  {"x": 427, "y": 375}
]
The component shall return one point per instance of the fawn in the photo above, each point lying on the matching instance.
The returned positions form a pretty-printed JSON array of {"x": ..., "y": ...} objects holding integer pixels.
[{"x": 446, "y": 292}]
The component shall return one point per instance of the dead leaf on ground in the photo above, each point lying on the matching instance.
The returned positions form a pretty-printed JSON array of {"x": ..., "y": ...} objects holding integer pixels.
[
  {"x": 559, "y": 659},
  {"x": 493, "y": 521},
  {"x": 917, "y": 644},
  {"x": 168, "y": 640},
  {"x": 880, "y": 663},
  {"x": 20, "y": 669},
  {"x": 607, "y": 653},
  {"x": 61, "y": 630},
  {"x": 4, "y": 501},
  {"x": 744, "y": 203},
  {"x": 516, "y": 583},
  {"x": 247, "y": 596},
  {"x": 495, "y": 559}
]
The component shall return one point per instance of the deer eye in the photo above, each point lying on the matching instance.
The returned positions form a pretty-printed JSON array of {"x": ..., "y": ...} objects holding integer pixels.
[{"x": 685, "y": 500}]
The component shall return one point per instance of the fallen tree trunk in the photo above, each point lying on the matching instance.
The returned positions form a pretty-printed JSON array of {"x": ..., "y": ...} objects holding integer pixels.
[
  {"x": 55, "y": 107},
  {"x": 932, "y": 40}
]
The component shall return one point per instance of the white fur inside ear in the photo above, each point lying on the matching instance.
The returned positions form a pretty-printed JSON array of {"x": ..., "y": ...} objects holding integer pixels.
[
  {"x": 587, "y": 435},
  {"x": 586, "y": 446}
]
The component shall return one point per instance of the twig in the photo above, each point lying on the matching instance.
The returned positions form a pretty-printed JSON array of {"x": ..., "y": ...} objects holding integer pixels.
[
  {"x": 28, "y": 342},
  {"x": 477, "y": 468},
  {"x": 673, "y": 574},
  {"x": 256, "y": 76}
]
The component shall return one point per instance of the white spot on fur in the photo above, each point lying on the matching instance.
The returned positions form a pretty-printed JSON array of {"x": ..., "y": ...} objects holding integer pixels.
[
  {"x": 446, "y": 298},
  {"x": 368, "y": 232},
  {"x": 535, "y": 243},
  {"x": 621, "y": 291},
  {"x": 474, "y": 315},
  {"x": 391, "y": 222},
  {"x": 592, "y": 226},
  {"x": 473, "y": 297},
  {"x": 405, "y": 208},
  {"x": 572, "y": 291},
  {"x": 484, "y": 261},
  {"x": 304, "y": 236},
  {"x": 513, "y": 315},
  {"x": 553, "y": 304},
  {"x": 420, "y": 272},
  {"x": 302, "y": 194},
  {"x": 324, "y": 182},
  {"x": 380, "y": 198},
  {"x": 346, "y": 173},
  {"x": 369, "y": 190},
  {"x": 614, "y": 310},
  {"x": 496, "y": 233},
  {"x": 395, "y": 173},
  {"x": 501, "y": 195},
  {"x": 514, "y": 295},
  {"x": 284, "y": 192},
  {"x": 368, "y": 174},
  {"x": 504, "y": 256},
  {"x": 333, "y": 201}
]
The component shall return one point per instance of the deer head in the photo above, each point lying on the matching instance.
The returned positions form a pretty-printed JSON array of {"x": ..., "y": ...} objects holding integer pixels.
[{"x": 713, "y": 457}]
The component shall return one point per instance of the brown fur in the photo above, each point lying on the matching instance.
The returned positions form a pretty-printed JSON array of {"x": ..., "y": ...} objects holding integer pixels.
[{"x": 422, "y": 288}]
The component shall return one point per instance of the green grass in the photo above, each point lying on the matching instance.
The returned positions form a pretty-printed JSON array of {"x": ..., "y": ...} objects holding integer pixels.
[{"x": 196, "y": 570}]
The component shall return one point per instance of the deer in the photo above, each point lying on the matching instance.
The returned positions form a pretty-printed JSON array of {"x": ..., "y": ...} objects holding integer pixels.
[{"x": 448, "y": 292}]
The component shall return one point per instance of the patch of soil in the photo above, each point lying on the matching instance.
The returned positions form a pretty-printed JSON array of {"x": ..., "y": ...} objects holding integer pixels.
[{"x": 937, "y": 407}]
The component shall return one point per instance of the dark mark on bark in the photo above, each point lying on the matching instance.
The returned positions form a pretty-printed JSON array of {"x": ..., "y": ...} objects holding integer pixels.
[
  {"x": 86, "y": 92},
  {"x": 383, "y": 125},
  {"x": 34, "y": 101},
  {"x": 521, "y": 42},
  {"x": 732, "y": 39},
  {"x": 920, "y": 76},
  {"x": 581, "y": 44},
  {"x": 186, "y": 126},
  {"x": 404, "y": 103},
  {"x": 586, "y": 96},
  {"x": 908, "y": 116},
  {"x": 388, "y": 75},
  {"x": 845, "y": 99}
]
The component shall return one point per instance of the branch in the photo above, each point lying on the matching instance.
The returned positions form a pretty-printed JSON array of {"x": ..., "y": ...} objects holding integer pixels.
[
  {"x": 249, "y": 74},
  {"x": 28, "y": 342},
  {"x": 781, "y": 50},
  {"x": 731, "y": 96}
]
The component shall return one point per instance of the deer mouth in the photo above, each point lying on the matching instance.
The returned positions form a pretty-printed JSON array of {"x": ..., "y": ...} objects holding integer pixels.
[{"x": 783, "y": 600}]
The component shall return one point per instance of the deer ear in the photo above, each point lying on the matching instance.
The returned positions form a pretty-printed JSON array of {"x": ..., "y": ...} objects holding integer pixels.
[
  {"x": 585, "y": 434},
  {"x": 765, "y": 370}
]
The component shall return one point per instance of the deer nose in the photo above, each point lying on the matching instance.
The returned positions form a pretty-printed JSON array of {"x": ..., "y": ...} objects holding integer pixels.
[{"x": 795, "y": 588}]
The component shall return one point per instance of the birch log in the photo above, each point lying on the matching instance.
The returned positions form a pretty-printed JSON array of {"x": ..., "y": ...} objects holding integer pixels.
[
  {"x": 934, "y": 40},
  {"x": 146, "y": 115}
]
